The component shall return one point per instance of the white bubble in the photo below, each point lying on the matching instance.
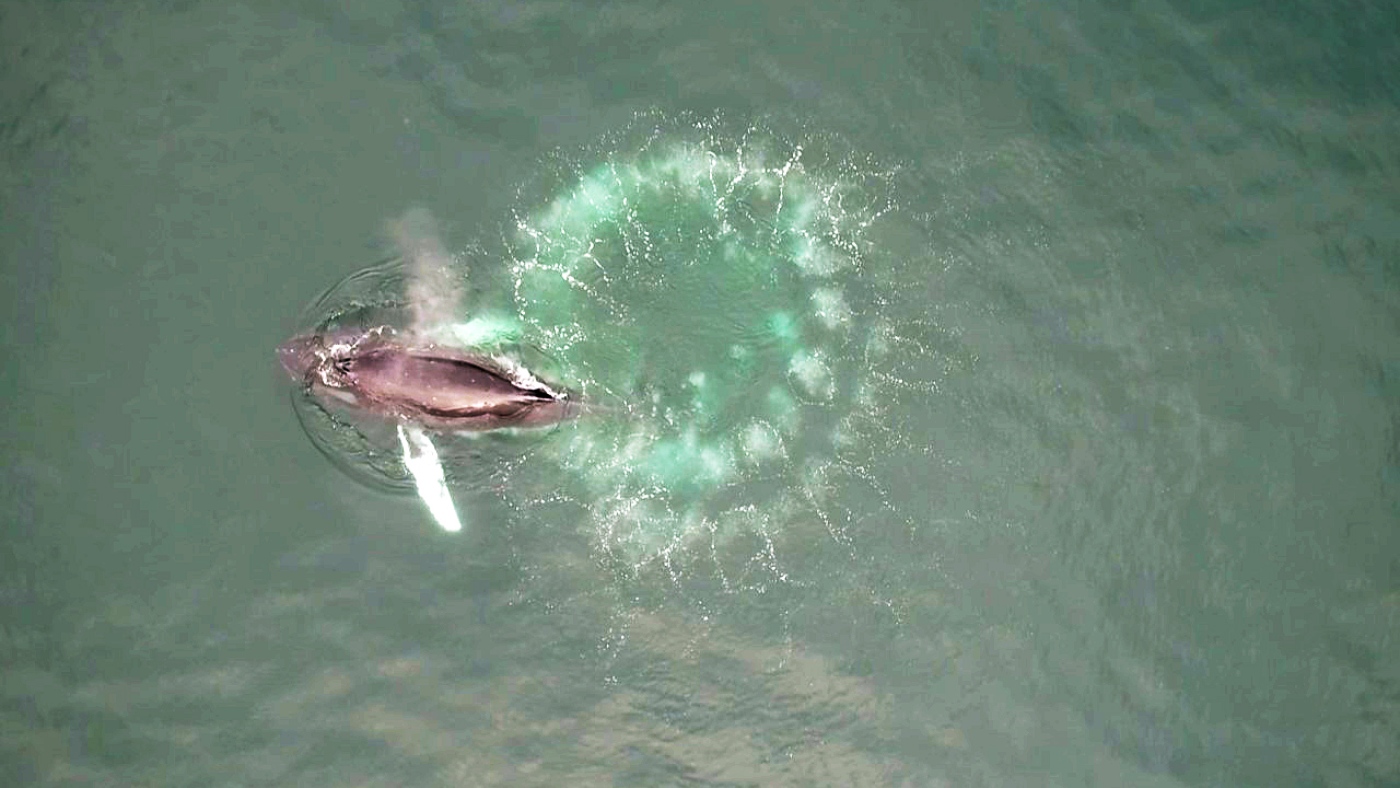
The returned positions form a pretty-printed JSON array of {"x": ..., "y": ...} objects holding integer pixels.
[
  {"x": 830, "y": 307},
  {"x": 815, "y": 258},
  {"x": 813, "y": 376},
  {"x": 761, "y": 442},
  {"x": 784, "y": 409},
  {"x": 717, "y": 460}
]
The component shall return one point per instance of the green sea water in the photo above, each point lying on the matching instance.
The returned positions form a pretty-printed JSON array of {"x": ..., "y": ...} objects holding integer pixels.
[{"x": 986, "y": 394}]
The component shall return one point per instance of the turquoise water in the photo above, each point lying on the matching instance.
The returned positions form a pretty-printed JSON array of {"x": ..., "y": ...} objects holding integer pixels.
[{"x": 996, "y": 395}]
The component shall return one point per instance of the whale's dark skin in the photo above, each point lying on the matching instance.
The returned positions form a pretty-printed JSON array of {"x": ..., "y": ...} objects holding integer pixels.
[{"x": 440, "y": 388}]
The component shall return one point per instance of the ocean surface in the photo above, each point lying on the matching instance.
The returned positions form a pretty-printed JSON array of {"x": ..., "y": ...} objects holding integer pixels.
[{"x": 989, "y": 394}]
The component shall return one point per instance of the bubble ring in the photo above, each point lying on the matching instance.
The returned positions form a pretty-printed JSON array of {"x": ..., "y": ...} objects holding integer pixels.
[{"x": 697, "y": 288}]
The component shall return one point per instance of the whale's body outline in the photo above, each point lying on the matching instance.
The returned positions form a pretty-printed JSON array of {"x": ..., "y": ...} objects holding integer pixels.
[
  {"x": 412, "y": 381},
  {"x": 434, "y": 386}
]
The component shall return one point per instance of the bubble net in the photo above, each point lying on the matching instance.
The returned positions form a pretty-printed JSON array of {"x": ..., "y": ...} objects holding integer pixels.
[{"x": 698, "y": 295}]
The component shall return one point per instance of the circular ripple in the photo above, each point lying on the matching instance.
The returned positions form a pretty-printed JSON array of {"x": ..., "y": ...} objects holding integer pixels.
[{"x": 707, "y": 294}]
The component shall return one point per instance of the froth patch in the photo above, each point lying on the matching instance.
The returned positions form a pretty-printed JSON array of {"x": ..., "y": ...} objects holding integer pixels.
[
  {"x": 830, "y": 307},
  {"x": 688, "y": 460},
  {"x": 761, "y": 443},
  {"x": 812, "y": 376},
  {"x": 816, "y": 259},
  {"x": 483, "y": 331}
]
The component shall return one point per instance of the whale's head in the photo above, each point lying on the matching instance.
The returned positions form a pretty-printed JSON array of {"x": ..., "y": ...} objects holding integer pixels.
[
  {"x": 300, "y": 355},
  {"x": 324, "y": 363}
]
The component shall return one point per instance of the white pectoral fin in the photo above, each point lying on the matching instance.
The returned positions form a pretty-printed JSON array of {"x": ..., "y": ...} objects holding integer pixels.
[{"x": 421, "y": 458}]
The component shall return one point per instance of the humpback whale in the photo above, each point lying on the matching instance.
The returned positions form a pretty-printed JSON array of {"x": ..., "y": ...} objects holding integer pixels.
[
  {"x": 438, "y": 387},
  {"x": 413, "y": 380}
]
